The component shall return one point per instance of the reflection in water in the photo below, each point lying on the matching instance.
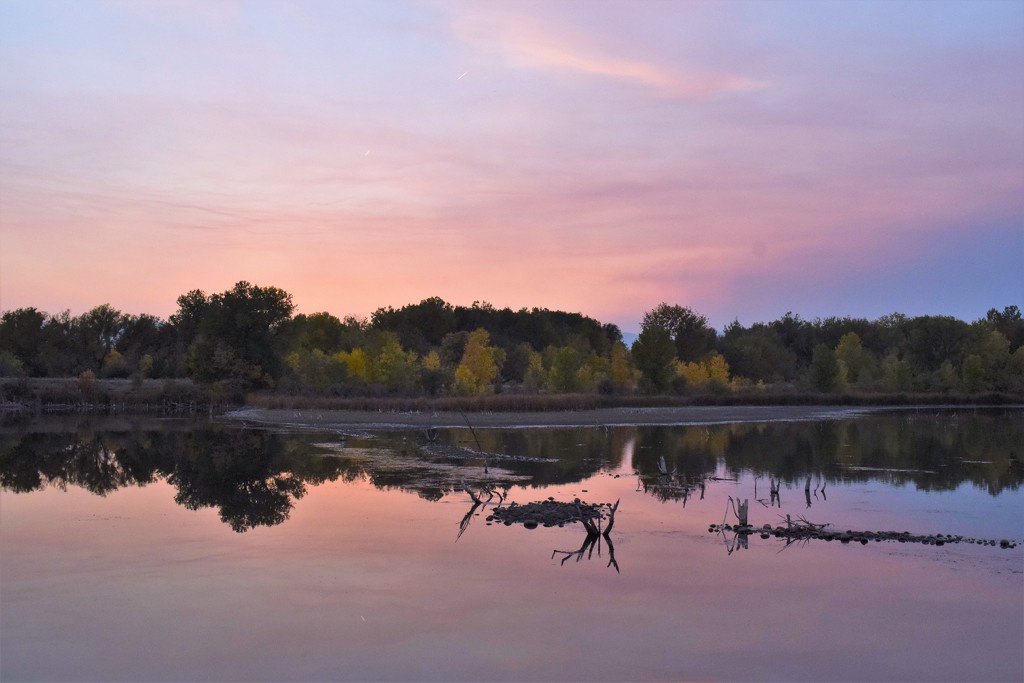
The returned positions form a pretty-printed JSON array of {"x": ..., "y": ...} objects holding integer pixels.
[
  {"x": 934, "y": 451},
  {"x": 251, "y": 477},
  {"x": 591, "y": 542},
  {"x": 254, "y": 477},
  {"x": 367, "y": 584}
]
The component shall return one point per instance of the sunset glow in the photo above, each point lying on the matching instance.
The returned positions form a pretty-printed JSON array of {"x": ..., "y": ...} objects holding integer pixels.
[{"x": 742, "y": 158}]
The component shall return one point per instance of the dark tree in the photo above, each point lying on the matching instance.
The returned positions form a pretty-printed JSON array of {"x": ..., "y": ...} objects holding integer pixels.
[
  {"x": 689, "y": 331},
  {"x": 653, "y": 353},
  {"x": 22, "y": 335},
  {"x": 237, "y": 333},
  {"x": 419, "y": 326}
]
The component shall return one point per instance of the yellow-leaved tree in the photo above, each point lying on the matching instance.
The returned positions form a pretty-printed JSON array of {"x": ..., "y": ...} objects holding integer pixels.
[
  {"x": 357, "y": 364},
  {"x": 479, "y": 365},
  {"x": 713, "y": 372}
]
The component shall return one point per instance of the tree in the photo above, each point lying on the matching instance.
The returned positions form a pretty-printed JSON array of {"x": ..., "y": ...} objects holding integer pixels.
[
  {"x": 564, "y": 363},
  {"x": 621, "y": 371},
  {"x": 357, "y": 365},
  {"x": 712, "y": 372},
  {"x": 393, "y": 366},
  {"x": 653, "y": 353},
  {"x": 321, "y": 331},
  {"x": 99, "y": 331},
  {"x": 932, "y": 339},
  {"x": 418, "y": 326},
  {"x": 690, "y": 333},
  {"x": 517, "y": 362},
  {"x": 235, "y": 334},
  {"x": 433, "y": 376},
  {"x": 479, "y": 366},
  {"x": 987, "y": 364},
  {"x": 21, "y": 335},
  {"x": 824, "y": 370},
  {"x": 894, "y": 373},
  {"x": 854, "y": 360},
  {"x": 146, "y": 335},
  {"x": 315, "y": 371},
  {"x": 1009, "y": 323},
  {"x": 758, "y": 353}
]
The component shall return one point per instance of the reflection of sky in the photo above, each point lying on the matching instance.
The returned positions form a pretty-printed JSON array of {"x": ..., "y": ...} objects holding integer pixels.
[
  {"x": 361, "y": 583},
  {"x": 744, "y": 158},
  {"x": 877, "y": 506},
  {"x": 366, "y": 584}
]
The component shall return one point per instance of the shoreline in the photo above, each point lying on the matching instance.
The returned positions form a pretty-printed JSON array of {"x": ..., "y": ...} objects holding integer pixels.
[{"x": 599, "y": 417}]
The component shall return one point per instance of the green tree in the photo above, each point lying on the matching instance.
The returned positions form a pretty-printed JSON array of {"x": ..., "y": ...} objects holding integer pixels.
[
  {"x": 236, "y": 334},
  {"x": 690, "y": 333},
  {"x": 1009, "y": 323},
  {"x": 393, "y": 366},
  {"x": 98, "y": 331},
  {"x": 564, "y": 364},
  {"x": 854, "y": 360},
  {"x": 895, "y": 374},
  {"x": 418, "y": 326},
  {"x": 758, "y": 353},
  {"x": 22, "y": 336},
  {"x": 653, "y": 353},
  {"x": 621, "y": 370},
  {"x": 824, "y": 370},
  {"x": 988, "y": 364}
]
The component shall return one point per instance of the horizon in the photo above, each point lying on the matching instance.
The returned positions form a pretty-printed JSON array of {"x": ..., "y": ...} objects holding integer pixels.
[
  {"x": 631, "y": 334},
  {"x": 742, "y": 159}
]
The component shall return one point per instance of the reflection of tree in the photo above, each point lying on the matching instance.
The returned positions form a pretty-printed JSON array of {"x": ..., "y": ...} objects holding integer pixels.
[
  {"x": 577, "y": 453},
  {"x": 587, "y": 550},
  {"x": 931, "y": 450},
  {"x": 238, "y": 472},
  {"x": 252, "y": 477},
  {"x": 99, "y": 463}
]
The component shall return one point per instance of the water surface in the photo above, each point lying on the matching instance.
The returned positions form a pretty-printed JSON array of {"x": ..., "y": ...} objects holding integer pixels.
[{"x": 161, "y": 550}]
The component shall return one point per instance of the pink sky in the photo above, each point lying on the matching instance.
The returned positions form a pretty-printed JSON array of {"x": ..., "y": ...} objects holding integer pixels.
[{"x": 745, "y": 159}]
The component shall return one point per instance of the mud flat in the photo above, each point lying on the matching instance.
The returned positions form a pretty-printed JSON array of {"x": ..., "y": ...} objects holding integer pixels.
[{"x": 611, "y": 417}]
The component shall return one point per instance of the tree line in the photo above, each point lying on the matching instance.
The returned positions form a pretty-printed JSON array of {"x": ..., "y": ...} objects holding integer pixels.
[{"x": 250, "y": 338}]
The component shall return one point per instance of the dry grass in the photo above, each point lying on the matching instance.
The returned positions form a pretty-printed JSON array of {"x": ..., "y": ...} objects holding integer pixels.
[{"x": 121, "y": 395}]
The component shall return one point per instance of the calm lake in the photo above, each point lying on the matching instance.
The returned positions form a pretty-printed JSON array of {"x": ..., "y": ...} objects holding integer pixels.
[{"x": 146, "y": 549}]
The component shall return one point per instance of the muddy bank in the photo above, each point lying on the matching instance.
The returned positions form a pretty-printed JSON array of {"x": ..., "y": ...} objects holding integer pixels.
[{"x": 683, "y": 415}]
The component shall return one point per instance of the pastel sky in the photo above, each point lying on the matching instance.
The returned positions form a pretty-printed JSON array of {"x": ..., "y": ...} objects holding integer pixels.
[{"x": 742, "y": 158}]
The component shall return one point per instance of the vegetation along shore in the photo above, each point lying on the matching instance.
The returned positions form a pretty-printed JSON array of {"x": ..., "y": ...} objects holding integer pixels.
[{"x": 246, "y": 346}]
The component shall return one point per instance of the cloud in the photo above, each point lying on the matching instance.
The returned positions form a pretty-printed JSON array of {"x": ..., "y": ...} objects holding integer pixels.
[{"x": 531, "y": 44}]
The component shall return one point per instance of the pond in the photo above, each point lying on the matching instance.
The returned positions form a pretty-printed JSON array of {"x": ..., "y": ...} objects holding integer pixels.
[{"x": 146, "y": 549}]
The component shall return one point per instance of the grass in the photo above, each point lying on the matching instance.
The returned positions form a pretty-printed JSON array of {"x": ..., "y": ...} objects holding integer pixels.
[{"x": 39, "y": 395}]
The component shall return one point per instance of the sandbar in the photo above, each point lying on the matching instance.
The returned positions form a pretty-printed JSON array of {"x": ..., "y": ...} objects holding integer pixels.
[{"x": 601, "y": 417}]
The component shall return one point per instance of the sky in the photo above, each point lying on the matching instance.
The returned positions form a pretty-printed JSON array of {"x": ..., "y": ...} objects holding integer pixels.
[{"x": 745, "y": 159}]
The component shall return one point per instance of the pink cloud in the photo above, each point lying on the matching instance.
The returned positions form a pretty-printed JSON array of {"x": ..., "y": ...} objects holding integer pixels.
[{"x": 528, "y": 42}]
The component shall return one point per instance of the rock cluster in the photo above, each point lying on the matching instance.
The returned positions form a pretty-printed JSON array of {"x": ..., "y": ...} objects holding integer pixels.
[{"x": 548, "y": 513}]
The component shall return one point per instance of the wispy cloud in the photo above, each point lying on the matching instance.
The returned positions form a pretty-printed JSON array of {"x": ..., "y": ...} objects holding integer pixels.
[{"x": 528, "y": 43}]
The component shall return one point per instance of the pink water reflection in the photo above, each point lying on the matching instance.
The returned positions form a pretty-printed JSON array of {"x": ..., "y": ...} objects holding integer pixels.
[{"x": 368, "y": 584}]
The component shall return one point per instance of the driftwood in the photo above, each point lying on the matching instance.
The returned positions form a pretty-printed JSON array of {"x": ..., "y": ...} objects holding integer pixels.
[
  {"x": 801, "y": 529},
  {"x": 490, "y": 490},
  {"x": 739, "y": 509}
]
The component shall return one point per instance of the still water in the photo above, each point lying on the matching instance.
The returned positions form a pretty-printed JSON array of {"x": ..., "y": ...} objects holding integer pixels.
[{"x": 164, "y": 550}]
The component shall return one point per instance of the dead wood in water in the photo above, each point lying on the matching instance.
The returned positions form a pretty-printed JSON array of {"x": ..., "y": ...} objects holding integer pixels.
[{"x": 801, "y": 529}]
